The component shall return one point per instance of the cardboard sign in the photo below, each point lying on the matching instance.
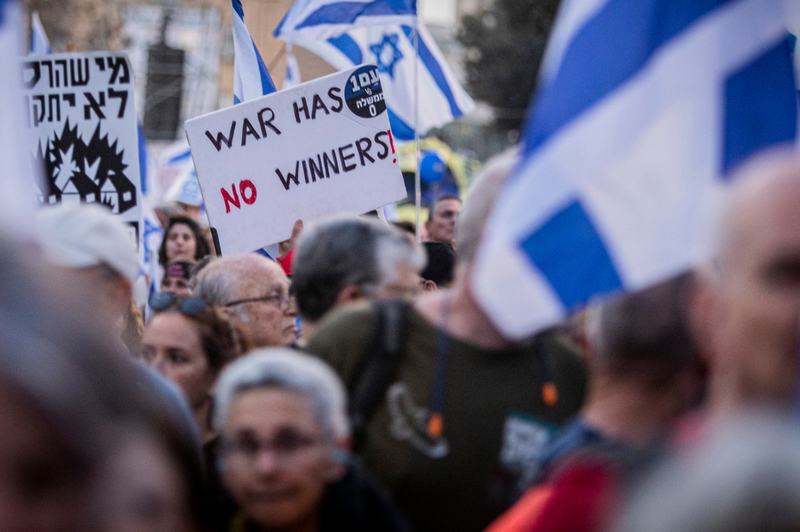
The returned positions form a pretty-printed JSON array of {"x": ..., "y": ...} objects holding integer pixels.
[
  {"x": 317, "y": 149},
  {"x": 81, "y": 109}
]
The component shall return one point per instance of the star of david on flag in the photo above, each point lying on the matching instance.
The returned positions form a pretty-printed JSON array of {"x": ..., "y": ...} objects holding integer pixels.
[
  {"x": 646, "y": 110},
  {"x": 389, "y": 44},
  {"x": 387, "y": 54}
]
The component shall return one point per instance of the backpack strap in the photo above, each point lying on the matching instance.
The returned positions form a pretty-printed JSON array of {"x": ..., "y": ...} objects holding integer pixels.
[{"x": 378, "y": 365}]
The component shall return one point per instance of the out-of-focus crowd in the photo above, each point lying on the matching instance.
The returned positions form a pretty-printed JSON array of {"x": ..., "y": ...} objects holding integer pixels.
[{"x": 356, "y": 384}]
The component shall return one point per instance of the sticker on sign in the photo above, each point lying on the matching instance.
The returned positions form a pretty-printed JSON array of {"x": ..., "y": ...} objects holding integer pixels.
[{"x": 321, "y": 148}]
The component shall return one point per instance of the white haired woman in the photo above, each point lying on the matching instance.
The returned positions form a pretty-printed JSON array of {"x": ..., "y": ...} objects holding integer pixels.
[{"x": 284, "y": 460}]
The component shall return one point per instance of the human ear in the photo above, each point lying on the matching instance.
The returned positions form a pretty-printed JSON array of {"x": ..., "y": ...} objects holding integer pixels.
[{"x": 349, "y": 294}]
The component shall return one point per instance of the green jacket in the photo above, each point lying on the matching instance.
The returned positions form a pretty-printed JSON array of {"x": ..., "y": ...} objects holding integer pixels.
[{"x": 493, "y": 413}]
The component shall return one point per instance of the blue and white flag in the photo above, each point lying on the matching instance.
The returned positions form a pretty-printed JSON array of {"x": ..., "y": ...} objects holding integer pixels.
[
  {"x": 250, "y": 76},
  {"x": 391, "y": 48},
  {"x": 40, "y": 44},
  {"x": 323, "y": 19},
  {"x": 647, "y": 107},
  {"x": 292, "y": 77}
]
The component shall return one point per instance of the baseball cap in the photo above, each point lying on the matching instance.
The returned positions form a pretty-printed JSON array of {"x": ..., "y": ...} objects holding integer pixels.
[{"x": 84, "y": 235}]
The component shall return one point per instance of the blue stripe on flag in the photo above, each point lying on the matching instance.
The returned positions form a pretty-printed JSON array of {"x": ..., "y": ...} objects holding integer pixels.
[
  {"x": 400, "y": 129},
  {"x": 609, "y": 35},
  {"x": 435, "y": 70},
  {"x": 755, "y": 120},
  {"x": 572, "y": 256},
  {"x": 237, "y": 6},
  {"x": 142, "y": 157},
  {"x": 267, "y": 85},
  {"x": 348, "y": 12},
  {"x": 180, "y": 157},
  {"x": 349, "y": 47},
  {"x": 263, "y": 253}
]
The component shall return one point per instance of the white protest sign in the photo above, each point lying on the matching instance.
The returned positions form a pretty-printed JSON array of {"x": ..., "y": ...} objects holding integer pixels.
[
  {"x": 316, "y": 149},
  {"x": 81, "y": 109}
]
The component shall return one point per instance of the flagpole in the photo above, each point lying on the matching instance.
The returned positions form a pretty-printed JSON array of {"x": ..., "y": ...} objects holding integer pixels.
[{"x": 417, "y": 191}]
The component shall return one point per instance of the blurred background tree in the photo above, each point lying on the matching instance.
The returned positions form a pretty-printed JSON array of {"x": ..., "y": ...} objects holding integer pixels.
[{"x": 504, "y": 45}]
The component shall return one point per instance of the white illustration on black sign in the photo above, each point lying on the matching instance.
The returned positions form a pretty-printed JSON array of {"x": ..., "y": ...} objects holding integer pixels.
[
  {"x": 92, "y": 172},
  {"x": 364, "y": 94}
]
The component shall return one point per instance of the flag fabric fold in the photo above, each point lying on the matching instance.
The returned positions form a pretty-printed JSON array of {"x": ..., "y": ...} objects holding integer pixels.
[
  {"x": 251, "y": 78},
  {"x": 646, "y": 110},
  {"x": 323, "y": 19},
  {"x": 40, "y": 44},
  {"x": 292, "y": 77},
  {"x": 391, "y": 48}
]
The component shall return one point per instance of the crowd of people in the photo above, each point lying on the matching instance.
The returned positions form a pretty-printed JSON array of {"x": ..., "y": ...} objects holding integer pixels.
[{"x": 356, "y": 384}]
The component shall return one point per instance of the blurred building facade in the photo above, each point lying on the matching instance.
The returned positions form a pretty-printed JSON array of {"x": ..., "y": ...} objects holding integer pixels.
[{"x": 203, "y": 29}]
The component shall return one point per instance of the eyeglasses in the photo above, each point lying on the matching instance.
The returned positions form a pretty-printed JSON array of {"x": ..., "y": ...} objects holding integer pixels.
[
  {"x": 285, "y": 447},
  {"x": 284, "y": 300},
  {"x": 190, "y": 306}
]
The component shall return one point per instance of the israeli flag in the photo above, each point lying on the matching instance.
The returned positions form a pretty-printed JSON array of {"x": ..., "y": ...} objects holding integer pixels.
[
  {"x": 40, "y": 44},
  {"x": 647, "y": 108},
  {"x": 323, "y": 19},
  {"x": 250, "y": 76},
  {"x": 391, "y": 48}
]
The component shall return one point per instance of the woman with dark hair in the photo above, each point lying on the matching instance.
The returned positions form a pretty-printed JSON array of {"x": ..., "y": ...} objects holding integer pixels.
[
  {"x": 183, "y": 240},
  {"x": 189, "y": 342}
]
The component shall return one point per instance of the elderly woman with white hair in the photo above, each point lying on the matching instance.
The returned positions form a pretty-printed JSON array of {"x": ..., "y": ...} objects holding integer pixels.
[{"x": 283, "y": 458}]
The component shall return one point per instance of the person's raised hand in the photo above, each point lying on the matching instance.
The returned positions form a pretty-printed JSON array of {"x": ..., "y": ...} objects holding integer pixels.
[{"x": 287, "y": 246}]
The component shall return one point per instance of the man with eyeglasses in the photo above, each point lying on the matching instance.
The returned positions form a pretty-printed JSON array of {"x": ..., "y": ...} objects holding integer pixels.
[{"x": 254, "y": 291}]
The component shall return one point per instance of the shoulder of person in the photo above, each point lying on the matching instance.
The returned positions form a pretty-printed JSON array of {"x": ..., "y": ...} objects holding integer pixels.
[
  {"x": 341, "y": 338},
  {"x": 558, "y": 343}
]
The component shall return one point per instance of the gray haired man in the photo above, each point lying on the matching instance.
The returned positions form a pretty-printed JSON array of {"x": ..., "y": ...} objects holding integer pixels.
[
  {"x": 350, "y": 259},
  {"x": 254, "y": 291}
]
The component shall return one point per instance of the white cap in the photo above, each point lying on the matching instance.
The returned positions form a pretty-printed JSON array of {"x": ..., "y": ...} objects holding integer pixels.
[{"x": 81, "y": 235}]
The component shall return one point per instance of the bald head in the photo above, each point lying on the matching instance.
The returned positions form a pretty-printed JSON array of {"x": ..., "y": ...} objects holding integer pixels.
[
  {"x": 480, "y": 201},
  {"x": 753, "y": 313},
  {"x": 763, "y": 200},
  {"x": 255, "y": 292}
]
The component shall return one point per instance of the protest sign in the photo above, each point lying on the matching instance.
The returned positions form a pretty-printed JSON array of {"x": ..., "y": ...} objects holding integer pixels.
[
  {"x": 80, "y": 107},
  {"x": 316, "y": 149}
]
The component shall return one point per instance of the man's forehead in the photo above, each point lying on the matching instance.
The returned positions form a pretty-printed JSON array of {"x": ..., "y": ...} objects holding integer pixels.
[
  {"x": 260, "y": 276},
  {"x": 449, "y": 204},
  {"x": 764, "y": 222}
]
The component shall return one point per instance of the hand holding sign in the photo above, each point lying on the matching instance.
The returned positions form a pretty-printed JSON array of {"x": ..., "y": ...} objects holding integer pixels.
[
  {"x": 287, "y": 246},
  {"x": 321, "y": 148}
]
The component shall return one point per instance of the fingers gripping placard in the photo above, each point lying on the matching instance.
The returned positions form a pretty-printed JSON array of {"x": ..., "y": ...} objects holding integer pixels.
[{"x": 321, "y": 148}]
